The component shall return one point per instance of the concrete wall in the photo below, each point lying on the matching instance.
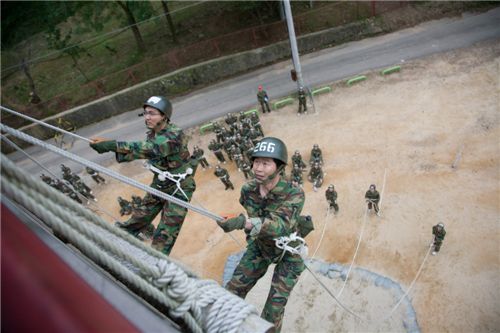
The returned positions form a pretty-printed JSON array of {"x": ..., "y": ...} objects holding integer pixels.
[{"x": 192, "y": 77}]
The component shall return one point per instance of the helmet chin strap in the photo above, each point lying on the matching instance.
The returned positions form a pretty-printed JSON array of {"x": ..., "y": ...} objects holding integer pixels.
[{"x": 271, "y": 177}]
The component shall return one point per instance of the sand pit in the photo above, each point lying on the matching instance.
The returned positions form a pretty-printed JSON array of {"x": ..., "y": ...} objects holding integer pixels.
[{"x": 413, "y": 124}]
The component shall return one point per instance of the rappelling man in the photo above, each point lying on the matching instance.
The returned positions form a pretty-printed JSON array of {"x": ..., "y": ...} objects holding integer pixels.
[
  {"x": 439, "y": 233},
  {"x": 273, "y": 206},
  {"x": 166, "y": 150}
]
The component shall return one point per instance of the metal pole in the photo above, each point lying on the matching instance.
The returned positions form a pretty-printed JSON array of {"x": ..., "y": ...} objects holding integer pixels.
[{"x": 293, "y": 43}]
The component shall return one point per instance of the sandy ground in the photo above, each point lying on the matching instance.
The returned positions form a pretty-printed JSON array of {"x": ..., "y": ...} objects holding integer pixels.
[{"x": 412, "y": 124}]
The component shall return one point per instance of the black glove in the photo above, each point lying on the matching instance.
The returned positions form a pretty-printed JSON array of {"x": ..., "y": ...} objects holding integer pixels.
[
  {"x": 104, "y": 146},
  {"x": 233, "y": 223}
]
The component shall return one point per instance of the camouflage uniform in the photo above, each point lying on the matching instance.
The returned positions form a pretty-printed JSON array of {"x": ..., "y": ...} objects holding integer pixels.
[
  {"x": 95, "y": 175},
  {"x": 216, "y": 148},
  {"x": 316, "y": 176},
  {"x": 125, "y": 206},
  {"x": 230, "y": 119},
  {"x": 242, "y": 117},
  {"x": 296, "y": 175},
  {"x": 198, "y": 155},
  {"x": 68, "y": 191},
  {"x": 279, "y": 212},
  {"x": 302, "y": 102},
  {"x": 373, "y": 198},
  {"x": 316, "y": 155},
  {"x": 439, "y": 234},
  {"x": 297, "y": 159},
  {"x": 331, "y": 197},
  {"x": 247, "y": 170},
  {"x": 263, "y": 100},
  {"x": 167, "y": 150},
  {"x": 224, "y": 177},
  {"x": 256, "y": 123}
]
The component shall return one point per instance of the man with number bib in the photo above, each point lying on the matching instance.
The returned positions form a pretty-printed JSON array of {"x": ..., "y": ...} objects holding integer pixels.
[
  {"x": 166, "y": 149},
  {"x": 273, "y": 208}
]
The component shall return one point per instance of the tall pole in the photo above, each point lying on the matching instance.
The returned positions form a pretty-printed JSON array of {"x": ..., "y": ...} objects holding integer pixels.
[{"x": 293, "y": 43}]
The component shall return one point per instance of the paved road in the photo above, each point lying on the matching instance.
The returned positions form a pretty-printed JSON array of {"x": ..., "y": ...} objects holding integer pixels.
[{"x": 318, "y": 68}]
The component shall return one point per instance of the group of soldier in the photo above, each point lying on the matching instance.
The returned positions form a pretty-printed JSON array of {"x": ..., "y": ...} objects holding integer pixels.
[{"x": 73, "y": 186}]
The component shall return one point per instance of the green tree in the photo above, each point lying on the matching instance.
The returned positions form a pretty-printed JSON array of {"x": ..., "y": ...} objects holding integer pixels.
[
  {"x": 136, "y": 10},
  {"x": 170, "y": 23}
]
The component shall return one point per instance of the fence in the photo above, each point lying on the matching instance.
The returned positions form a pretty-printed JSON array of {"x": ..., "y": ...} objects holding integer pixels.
[{"x": 317, "y": 19}]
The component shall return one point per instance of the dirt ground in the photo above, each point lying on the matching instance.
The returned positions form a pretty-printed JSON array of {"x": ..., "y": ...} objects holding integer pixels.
[{"x": 413, "y": 124}]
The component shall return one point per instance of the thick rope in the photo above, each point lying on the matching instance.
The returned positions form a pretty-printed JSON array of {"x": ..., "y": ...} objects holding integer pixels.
[
  {"x": 183, "y": 295},
  {"x": 16, "y": 147},
  {"x": 109, "y": 172},
  {"x": 39, "y": 122}
]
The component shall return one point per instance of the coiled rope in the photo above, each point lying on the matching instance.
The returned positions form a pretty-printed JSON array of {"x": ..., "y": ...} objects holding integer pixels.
[{"x": 203, "y": 305}]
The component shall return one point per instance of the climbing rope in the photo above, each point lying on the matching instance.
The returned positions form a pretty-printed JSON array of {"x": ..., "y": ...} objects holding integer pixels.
[
  {"x": 322, "y": 233},
  {"x": 103, "y": 210},
  {"x": 39, "y": 122},
  {"x": 109, "y": 172},
  {"x": 203, "y": 305}
]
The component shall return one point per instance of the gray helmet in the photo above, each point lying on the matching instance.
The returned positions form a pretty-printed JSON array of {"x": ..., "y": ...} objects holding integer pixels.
[
  {"x": 315, "y": 146},
  {"x": 331, "y": 186},
  {"x": 160, "y": 103},
  {"x": 271, "y": 147},
  {"x": 441, "y": 225},
  {"x": 373, "y": 186}
]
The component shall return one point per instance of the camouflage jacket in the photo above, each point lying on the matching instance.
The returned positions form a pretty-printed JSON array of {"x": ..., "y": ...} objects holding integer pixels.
[
  {"x": 167, "y": 150},
  {"x": 331, "y": 196},
  {"x": 439, "y": 234},
  {"x": 302, "y": 96},
  {"x": 316, "y": 173},
  {"x": 214, "y": 146},
  {"x": 198, "y": 153},
  {"x": 262, "y": 96},
  {"x": 279, "y": 212},
  {"x": 373, "y": 196},
  {"x": 221, "y": 173},
  {"x": 297, "y": 159}
]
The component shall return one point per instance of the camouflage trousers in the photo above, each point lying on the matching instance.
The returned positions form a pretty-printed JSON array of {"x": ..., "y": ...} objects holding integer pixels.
[
  {"x": 172, "y": 216},
  {"x": 253, "y": 266},
  {"x": 437, "y": 244},
  {"x": 374, "y": 205}
]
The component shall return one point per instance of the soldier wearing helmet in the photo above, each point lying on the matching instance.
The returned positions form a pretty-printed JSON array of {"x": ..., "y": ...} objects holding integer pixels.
[
  {"x": 316, "y": 155},
  {"x": 372, "y": 197},
  {"x": 302, "y": 102},
  {"x": 263, "y": 99},
  {"x": 273, "y": 208},
  {"x": 296, "y": 175},
  {"x": 165, "y": 148},
  {"x": 316, "y": 176},
  {"x": 230, "y": 119},
  {"x": 439, "y": 233},
  {"x": 297, "y": 159},
  {"x": 331, "y": 197}
]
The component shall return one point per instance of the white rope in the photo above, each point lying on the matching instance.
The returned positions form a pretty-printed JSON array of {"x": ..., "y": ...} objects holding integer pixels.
[
  {"x": 355, "y": 253},
  {"x": 109, "y": 172},
  {"x": 322, "y": 233},
  {"x": 39, "y": 122},
  {"x": 186, "y": 297},
  {"x": 383, "y": 189}
]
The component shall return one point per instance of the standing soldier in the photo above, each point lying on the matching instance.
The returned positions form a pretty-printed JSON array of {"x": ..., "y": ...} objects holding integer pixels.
[
  {"x": 216, "y": 148},
  {"x": 316, "y": 176},
  {"x": 198, "y": 155},
  {"x": 237, "y": 157},
  {"x": 439, "y": 233},
  {"x": 224, "y": 177},
  {"x": 254, "y": 136},
  {"x": 296, "y": 175},
  {"x": 242, "y": 117},
  {"x": 65, "y": 169},
  {"x": 372, "y": 198},
  {"x": 165, "y": 148},
  {"x": 247, "y": 170},
  {"x": 302, "y": 102},
  {"x": 316, "y": 155},
  {"x": 95, "y": 176},
  {"x": 331, "y": 197},
  {"x": 273, "y": 208},
  {"x": 254, "y": 118},
  {"x": 263, "y": 100},
  {"x": 297, "y": 160},
  {"x": 125, "y": 206}
]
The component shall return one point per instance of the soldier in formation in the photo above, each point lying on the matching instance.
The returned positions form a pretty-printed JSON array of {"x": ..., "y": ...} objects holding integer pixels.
[
  {"x": 316, "y": 155},
  {"x": 263, "y": 99},
  {"x": 296, "y": 175},
  {"x": 198, "y": 155},
  {"x": 165, "y": 148},
  {"x": 273, "y": 207},
  {"x": 439, "y": 233},
  {"x": 302, "y": 102},
  {"x": 77, "y": 183},
  {"x": 372, "y": 197},
  {"x": 216, "y": 148},
  {"x": 297, "y": 160},
  {"x": 331, "y": 197},
  {"x": 95, "y": 176},
  {"x": 316, "y": 176},
  {"x": 61, "y": 187},
  {"x": 223, "y": 175}
]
